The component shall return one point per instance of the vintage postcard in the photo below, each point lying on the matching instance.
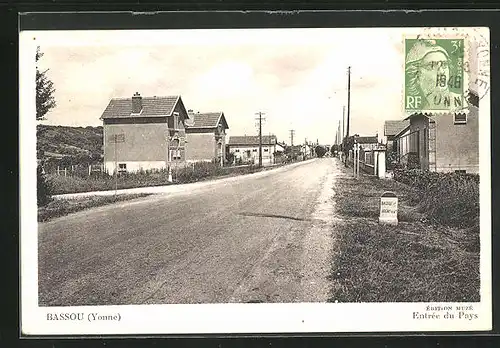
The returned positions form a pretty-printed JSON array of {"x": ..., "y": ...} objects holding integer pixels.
[{"x": 255, "y": 181}]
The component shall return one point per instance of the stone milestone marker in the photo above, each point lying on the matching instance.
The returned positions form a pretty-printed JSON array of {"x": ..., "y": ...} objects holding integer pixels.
[{"x": 388, "y": 209}]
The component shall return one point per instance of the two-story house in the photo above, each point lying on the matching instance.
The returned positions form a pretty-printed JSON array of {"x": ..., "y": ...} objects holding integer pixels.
[
  {"x": 206, "y": 136},
  {"x": 143, "y": 133}
]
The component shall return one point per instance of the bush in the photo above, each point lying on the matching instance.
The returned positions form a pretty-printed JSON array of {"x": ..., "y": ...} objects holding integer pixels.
[
  {"x": 320, "y": 151},
  {"x": 449, "y": 198},
  {"x": 44, "y": 188}
]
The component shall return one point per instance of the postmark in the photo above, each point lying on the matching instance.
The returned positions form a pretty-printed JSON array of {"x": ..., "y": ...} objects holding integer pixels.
[
  {"x": 476, "y": 65},
  {"x": 435, "y": 80}
]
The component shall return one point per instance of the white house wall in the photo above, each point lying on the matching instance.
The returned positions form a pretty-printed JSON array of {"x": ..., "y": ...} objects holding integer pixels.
[
  {"x": 267, "y": 156},
  {"x": 135, "y": 166}
]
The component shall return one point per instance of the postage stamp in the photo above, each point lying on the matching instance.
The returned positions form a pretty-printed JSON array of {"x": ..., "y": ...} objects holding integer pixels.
[
  {"x": 435, "y": 80},
  {"x": 476, "y": 62}
]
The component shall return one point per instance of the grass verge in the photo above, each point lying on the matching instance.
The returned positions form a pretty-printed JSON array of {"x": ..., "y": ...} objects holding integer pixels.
[
  {"x": 61, "y": 207},
  {"x": 416, "y": 261},
  {"x": 200, "y": 171}
]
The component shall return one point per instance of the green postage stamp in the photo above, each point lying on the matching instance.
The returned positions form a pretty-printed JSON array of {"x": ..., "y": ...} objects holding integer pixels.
[{"x": 435, "y": 80}]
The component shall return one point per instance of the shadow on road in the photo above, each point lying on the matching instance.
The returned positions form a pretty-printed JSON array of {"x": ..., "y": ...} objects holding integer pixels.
[{"x": 274, "y": 216}]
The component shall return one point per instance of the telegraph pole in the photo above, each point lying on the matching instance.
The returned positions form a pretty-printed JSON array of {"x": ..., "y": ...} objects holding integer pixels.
[
  {"x": 292, "y": 132},
  {"x": 348, "y": 98},
  {"x": 260, "y": 136},
  {"x": 348, "y": 109},
  {"x": 339, "y": 136},
  {"x": 343, "y": 122}
]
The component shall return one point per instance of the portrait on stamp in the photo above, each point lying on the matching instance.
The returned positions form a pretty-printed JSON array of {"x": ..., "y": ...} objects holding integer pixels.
[{"x": 434, "y": 76}]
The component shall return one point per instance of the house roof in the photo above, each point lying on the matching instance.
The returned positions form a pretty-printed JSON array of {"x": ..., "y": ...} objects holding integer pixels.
[
  {"x": 393, "y": 127},
  {"x": 151, "y": 107},
  {"x": 402, "y": 131},
  {"x": 252, "y": 140},
  {"x": 208, "y": 120}
]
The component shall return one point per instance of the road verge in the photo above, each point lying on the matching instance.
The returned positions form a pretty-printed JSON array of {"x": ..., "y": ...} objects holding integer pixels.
[
  {"x": 416, "y": 261},
  {"x": 176, "y": 188},
  {"x": 66, "y": 206}
]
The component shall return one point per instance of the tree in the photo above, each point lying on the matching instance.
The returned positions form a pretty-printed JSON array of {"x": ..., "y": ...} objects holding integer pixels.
[
  {"x": 45, "y": 100},
  {"x": 44, "y": 188},
  {"x": 320, "y": 151}
]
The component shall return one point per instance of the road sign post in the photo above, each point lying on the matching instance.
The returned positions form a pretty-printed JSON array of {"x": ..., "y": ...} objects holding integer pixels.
[
  {"x": 388, "y": 209},
  {"x": 117, "y": 138}
]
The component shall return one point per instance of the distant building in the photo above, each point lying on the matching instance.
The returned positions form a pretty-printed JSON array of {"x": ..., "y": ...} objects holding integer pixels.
[
  {"x": 366, "y": 143},
  {"x": 143, "y": 133},
  {"x": 206, "y": 136},
  {"x": 246, "y": 148}
]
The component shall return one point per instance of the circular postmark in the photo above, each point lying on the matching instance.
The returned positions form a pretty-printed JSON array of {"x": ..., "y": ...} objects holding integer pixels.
[{"x": 477, "y": 64}]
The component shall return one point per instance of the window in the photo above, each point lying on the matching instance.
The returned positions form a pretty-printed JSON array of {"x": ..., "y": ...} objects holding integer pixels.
[
  {"x": 254, "y": 150},
  {"x": 122, "y": 168},
  {"x": 237, "y": 150},
  {"x": 175, "y": 142},
  {"x": 460, "y": 118},
  {"x": 176, "y": 154},
  {"x": 176, "y": 120}
]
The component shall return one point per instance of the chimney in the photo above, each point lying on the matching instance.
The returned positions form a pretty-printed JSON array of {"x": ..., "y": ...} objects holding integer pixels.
[
  {"x": 190, "y": 113},
  {"x": 136, "y": 103}
]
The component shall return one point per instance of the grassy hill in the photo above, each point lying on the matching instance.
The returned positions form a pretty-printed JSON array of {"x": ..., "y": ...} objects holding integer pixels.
[{"x": 78, "y": 143}]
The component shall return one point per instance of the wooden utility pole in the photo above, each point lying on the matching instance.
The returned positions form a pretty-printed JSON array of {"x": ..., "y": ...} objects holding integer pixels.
[
  {"x": 348, "y": 98},
  {"x": 260, "y": 136},
  {"x": 343, "y": 122},
  {"x": 292, "y": 132},
  {"x": 346, "y": 151},
  {"x": 339, "y": 135}
]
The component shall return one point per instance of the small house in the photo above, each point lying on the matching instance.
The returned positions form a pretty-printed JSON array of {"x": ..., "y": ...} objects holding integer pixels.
[
  {"x": 447, "y": 142},
  {"x": 392, "y": 128},
  {"x": 245, "y": 148}
]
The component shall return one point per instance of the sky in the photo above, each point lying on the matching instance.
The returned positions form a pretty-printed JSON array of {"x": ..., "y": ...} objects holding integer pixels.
[{"x": 297, "y": 77}]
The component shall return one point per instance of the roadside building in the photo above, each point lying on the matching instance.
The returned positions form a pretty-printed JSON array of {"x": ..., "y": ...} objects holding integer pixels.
[
  {"x": 206, "y": 136},
  {"x": 367, "y": 145},
  {"x": 246, "y": 148},
  {"x": 446, "y": 142},
  {"x": 401, "y": 145},
  {"x": 143, "y": 133},
  {"x": 391, "y": 129}
]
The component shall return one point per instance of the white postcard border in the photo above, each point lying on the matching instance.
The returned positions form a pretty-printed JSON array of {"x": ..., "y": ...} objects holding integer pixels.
[{"x": 220, "y": 318}]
